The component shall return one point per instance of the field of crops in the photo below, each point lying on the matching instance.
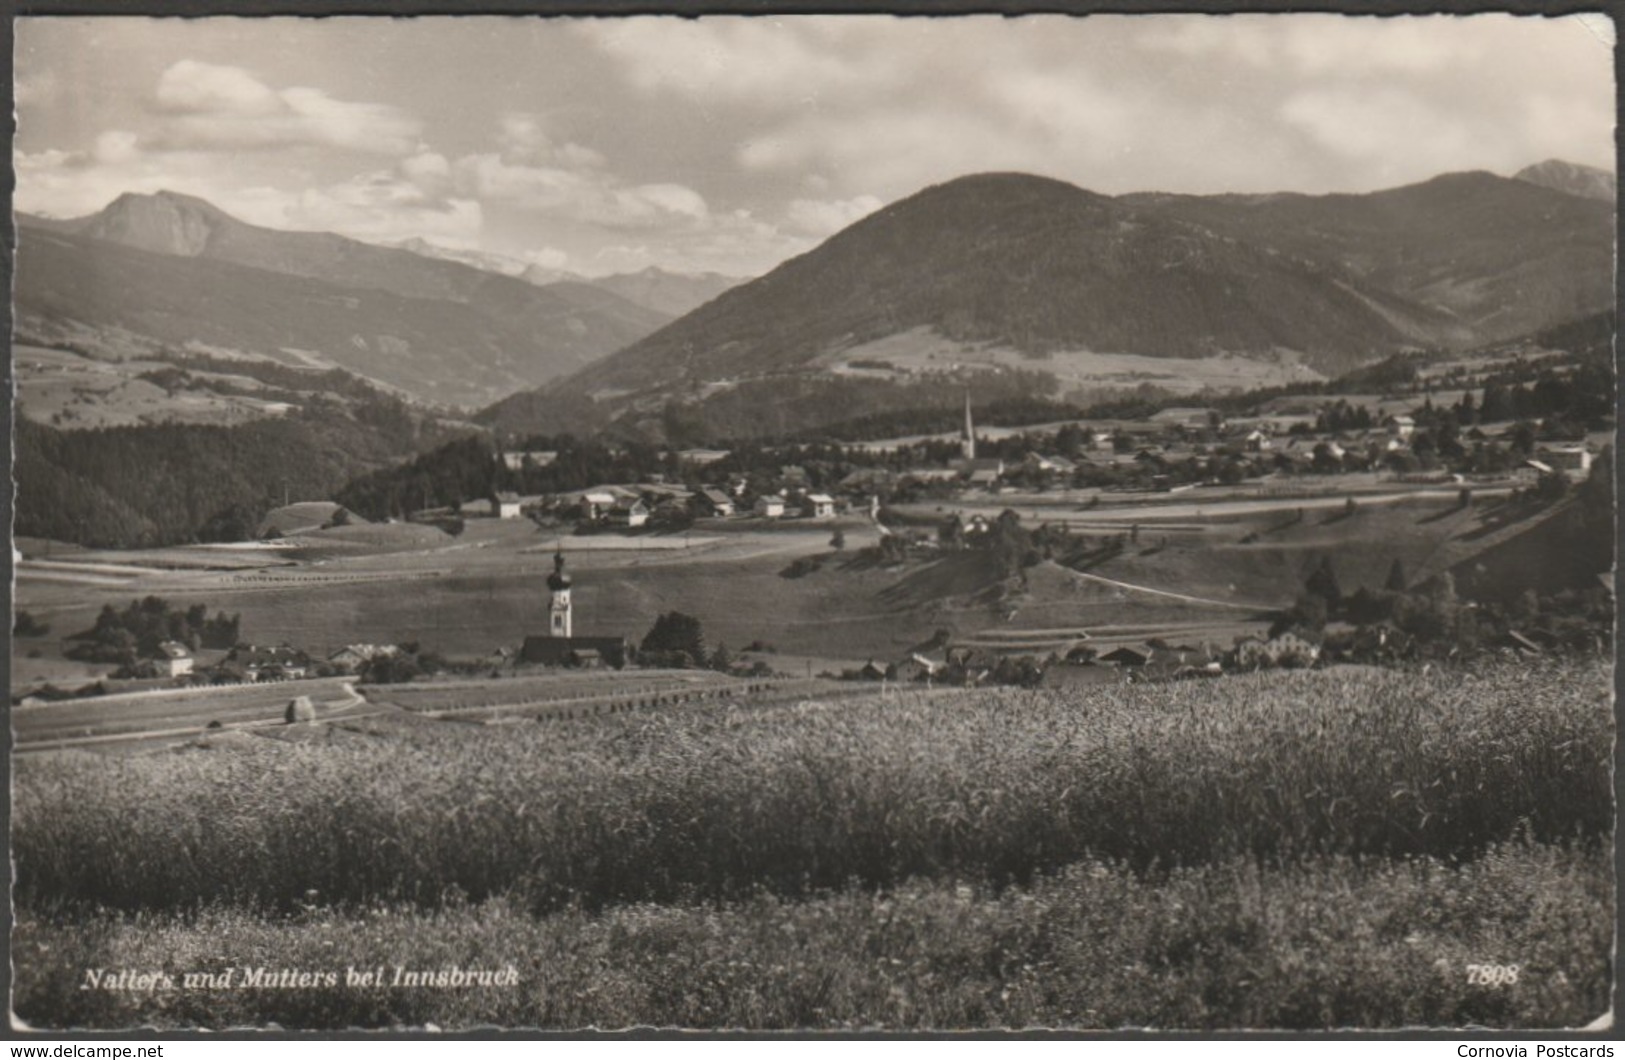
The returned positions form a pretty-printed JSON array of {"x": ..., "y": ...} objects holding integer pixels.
[
  {"x": 46, "y": 725},
  {"x": 1325, "y": 848}
]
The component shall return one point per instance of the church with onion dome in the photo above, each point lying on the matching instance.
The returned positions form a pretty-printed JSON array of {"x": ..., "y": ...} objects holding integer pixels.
[{"x": 560, "y": 646}]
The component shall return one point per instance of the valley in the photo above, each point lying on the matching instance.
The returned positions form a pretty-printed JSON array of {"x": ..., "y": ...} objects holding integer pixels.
[{"x": 1027, "y": 607}]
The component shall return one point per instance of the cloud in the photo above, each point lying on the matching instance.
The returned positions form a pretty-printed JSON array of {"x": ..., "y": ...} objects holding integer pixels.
[
  {"x": 1337, "y": 45},
  {"x": 191, "y": 87},
  {"x": 823, "y": 217},
  {"x": 116, "y": 146},
  {"x": 1382, "y": 125},
  {"x": 582, "y": 195},
  {"x": 523, "y": 138},
  {"x": 36, "y": 88},
  {"x": 384, "y": 204},
  {"x": 383, "y": 207},
  {"x": 211, "y": 107},
  {"x": 759, "y": 62}
]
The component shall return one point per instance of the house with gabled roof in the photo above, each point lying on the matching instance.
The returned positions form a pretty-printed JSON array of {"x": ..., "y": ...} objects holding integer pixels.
[
  {"x": 712, "y": 501},
  {"x": 174, "y": 659}
]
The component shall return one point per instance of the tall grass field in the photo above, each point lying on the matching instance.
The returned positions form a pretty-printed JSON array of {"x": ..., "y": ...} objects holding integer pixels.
[{"x": 1337, "y": 848}]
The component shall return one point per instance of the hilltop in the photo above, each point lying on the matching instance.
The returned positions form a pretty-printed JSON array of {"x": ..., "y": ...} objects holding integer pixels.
[
  {"x": 1010, "y": 271},
  {"x": 1587, "y": 182},
  {"x": 178, "y": 270}
]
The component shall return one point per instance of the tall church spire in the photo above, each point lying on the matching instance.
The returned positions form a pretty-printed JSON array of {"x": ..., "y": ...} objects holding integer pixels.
[
  {"x": 967, "y": 439},
  {"x": 558, "y": 608}
]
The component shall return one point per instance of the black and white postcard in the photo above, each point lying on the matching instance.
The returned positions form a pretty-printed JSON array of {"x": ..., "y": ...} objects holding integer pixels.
[{"x": 813, "y": 523}]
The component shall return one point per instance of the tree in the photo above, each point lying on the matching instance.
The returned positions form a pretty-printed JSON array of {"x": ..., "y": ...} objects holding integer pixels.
[
  {"x": 1497, "y": 406},
  {"x": 236, "y": 522},
  {"x": 1396, "y": 576},
  {"x": 722, "y": 659},
  {"x": 389, "y": 670},
  {"x": 1307, "y": 616},
  {"x": 1322, "y": 582},
  {"x": 1009, "y": 544},
  {"x": 26, "y": 625},
  {"x": 675, "y": 632},
  {"x": 1552, "y": 486}
]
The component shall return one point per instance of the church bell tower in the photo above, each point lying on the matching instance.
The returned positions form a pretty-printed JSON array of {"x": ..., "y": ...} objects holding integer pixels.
[
  {"x": 967, "y": 436},
  {"x": 558, "y": 608}
]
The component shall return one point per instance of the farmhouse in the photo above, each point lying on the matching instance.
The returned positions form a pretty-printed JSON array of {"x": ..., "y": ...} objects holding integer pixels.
[
  {"x": 516, "y": 461},
  {"x": 1284, "y": 649},
  {"x": 1400, "y": 426},
  {"x": 252, "y": 663},
  {"x": 1126, "y": 656},
  {"x": 1291, "y": 649},
  {"x": 1567, "y": 457},
  {"x": 591, "y": 505},
  {"x": 919, "y": 666},
  {"x": 505, "y": 505},
  {"x": 818, "y": 506},
  {"x": 769, "y": 507},
  {"x": 352, "y": 657},
  {"x": 712, "y": 501},
  {"x": 561, "y": 647},
  {"x": 630, "y": 513},
  {"x": 872, "y": 672},
  {"x": 173, "y": 659},
  {"x": 1037, "y": 463}
]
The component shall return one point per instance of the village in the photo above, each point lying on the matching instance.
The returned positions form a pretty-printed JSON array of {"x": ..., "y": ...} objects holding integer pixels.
[{"x": 1067, "y": 489}]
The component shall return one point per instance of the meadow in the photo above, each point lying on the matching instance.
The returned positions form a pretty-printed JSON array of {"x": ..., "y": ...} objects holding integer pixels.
[{"x": 1323, "y": 848}]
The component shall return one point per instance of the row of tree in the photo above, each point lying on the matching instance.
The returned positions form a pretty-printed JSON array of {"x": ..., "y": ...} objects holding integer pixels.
[{"x": 127, "y": 635}]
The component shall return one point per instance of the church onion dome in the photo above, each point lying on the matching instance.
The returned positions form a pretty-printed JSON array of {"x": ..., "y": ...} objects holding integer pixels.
[{"x": 558, "y": 580}]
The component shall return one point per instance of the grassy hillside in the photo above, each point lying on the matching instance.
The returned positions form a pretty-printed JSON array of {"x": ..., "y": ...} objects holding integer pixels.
[
  {"x": 1021, "y": 263},
  {"x": 500, "y": 338},
  {"x": 1499, "y": 257},
  {"x": 1028, "y": 262}
]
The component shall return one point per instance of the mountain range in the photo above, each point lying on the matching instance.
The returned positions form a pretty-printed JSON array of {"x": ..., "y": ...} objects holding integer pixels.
[
  {"x": 664, "y": 291},
  {"x": 992, "y": 270},
  {"x": 177, "y": 270},
  {"x": 1039, "y": 269}
]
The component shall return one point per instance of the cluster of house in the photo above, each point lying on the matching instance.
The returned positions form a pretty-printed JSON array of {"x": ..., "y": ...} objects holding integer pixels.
[
  {"x": 635, "y": 505},
  {"x": 1283, "y": 439},
  {"x": 251, "y": 662},
  {"x": 1082, "y": 664},
  {"x": 1290, "y": 440},
  {"x": 1275, "y": 441}
]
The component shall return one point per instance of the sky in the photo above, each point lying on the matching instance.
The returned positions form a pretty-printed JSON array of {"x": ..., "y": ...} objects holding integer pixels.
[{"x": 729, "y": 144}]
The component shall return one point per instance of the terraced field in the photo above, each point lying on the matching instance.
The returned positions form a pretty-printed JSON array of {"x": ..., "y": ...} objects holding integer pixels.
[
  {"x": 177, "y": 713},
  {"x": 143, "y": 720}
]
